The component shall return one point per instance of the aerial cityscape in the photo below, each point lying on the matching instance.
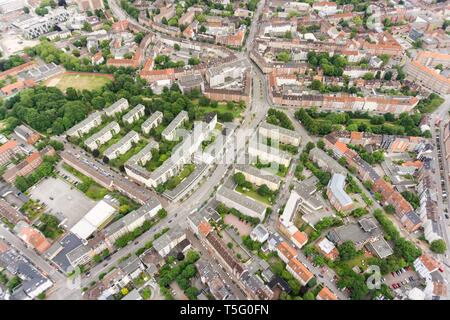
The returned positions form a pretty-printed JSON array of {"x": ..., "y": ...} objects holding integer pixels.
[{"x": 224, "y": 150}]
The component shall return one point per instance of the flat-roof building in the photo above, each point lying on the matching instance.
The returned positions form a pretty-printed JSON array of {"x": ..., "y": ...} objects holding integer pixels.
[
  {"x": 121, "y": 147},
  {"x": 280, "y": 134},
  {"x": 117, "y": 107},
  {"x": 134, "y": 114},
  {"x": 169, "y": 132},
  {"x": 103, "y": 136},
  {"x": 337, "y": 195},
  {"x": 244, "y": 204},
  {"x": 152, "y": 122},
  {"x": 93, "y": 120}
]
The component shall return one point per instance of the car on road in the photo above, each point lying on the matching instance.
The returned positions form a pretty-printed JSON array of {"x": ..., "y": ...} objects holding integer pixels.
[{"x": 446, "y": 216}]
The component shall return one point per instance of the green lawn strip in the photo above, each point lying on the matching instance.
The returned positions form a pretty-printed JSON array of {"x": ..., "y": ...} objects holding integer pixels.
[{"x": 254, "y": 195}]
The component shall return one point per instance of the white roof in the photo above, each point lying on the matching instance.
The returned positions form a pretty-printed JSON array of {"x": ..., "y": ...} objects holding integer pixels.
[
  {"x": 289, "y": 209},
  {"x": 326, "y": 245},
  {"x": 93, "y": 219}
]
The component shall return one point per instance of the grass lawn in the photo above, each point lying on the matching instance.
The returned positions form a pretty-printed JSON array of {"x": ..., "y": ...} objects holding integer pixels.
[
  {"x": 254, "y": 195},
  {"x": 360, "y": 261},
  {"x": 222, "y": 108},
  {"x": 164, "y": 153},
  {"x": 77, "y": 81},
  {"x": 146, "y": 293},
  {"x": 114, "y": 140},
  {"x": 175, "y": 181},
  {"x": 88, "y": 186},
  {"x": 117, "y": 162}
]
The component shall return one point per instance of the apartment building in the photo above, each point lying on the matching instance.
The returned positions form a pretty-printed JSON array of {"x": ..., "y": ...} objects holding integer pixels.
[
  {"x": 27, "y": 134},
  {"x": 243, "y": 204},
  {"x": 131, "y": 221},
  {"x": 268, "y": 154},
  {"x": 299, "y": 271},
  {"x": 125, "y": 144},
  {"x": 259, "y": 177},
  {"x": 164, "y": 244},
  {"x": 337, "y": 195},
  {"x": 219, "y": 75},
  {"x": 8, "y": 150},
  {"x": 169, "y": 133},
  {"x": 35, "y": 26},
  {"x": 31, "y": 236},
  {"x": 152, "y": 122},
  {"x": 103, "y": 136},
  {"x": 117, "y": 107},
  {"x": 92, "y": 121},
  {"x": 28, "y": 165},
  {"x": 280, "y": 134},
  {"x": 422, "y": 71},
  {"x": 285, "y": 252},
  {"x": 134, "y": 114}
]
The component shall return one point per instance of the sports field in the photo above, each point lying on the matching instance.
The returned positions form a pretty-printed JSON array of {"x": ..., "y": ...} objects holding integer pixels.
[{"x": 78, "y": 81}]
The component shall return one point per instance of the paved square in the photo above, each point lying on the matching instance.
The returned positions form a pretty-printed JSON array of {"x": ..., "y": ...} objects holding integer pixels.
[{"x": 68, "y": 202}]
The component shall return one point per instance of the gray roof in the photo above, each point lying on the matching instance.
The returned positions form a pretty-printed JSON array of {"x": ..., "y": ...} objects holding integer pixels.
[
  {"x": 175, "y": 122},
  {"x": 18, "y": 265},
  {"x": 353, "y": 232},
  {"x": 280, "y": 130},
  {"x": 239, "y": 63},
  {"x": 110, "y": 126},
  {"x": 117, "y": 105},
  {"x": 190, "y": 80},
  {"x": 139, "y": 108},
  {"x": 241, "y": 199},
  {"x": 251, "y": 170},
  {"x": 154, "y": 117},
  {"x": 62, "y": 249},
  {"x": 144, "y": 152},
  {"x": 167, "y": 237},
  {"x": 129, "y": 136},
  {"x": 132, "y": 217},
  {"x": 92, "y": 117},
  {"x": 380, "y": 247},
  {"x": 337, "y": 187},
  {"x": 183, "y": 185}
]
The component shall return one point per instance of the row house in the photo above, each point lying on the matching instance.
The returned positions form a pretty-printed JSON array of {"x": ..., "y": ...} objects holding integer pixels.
[
  {"x": 103, "y": 136},
  {"x": 121, "y": 147}
]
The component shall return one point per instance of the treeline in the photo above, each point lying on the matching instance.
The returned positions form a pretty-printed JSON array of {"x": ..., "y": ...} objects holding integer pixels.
[
  {"x": 11, "y": 62},
  {"x": 403, "y": 248},
  {"x": 129, "y": 8},
  {"x": 279, "y": 118},
  {"x": 331, "y": 65},
  {"x": 223, "y": 210},
  {"x": 314, "y": 126},
  {"x": 48, "y": 110},
  {"x": 322, "y": 123},
  {"x": 44, "y": 170},
  {"x": 49, "y": 53}
]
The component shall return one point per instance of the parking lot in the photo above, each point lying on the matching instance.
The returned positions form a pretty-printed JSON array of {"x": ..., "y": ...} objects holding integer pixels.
[
  {"x": 62, "y": 200},
  {"x": 407, "y": 278}
]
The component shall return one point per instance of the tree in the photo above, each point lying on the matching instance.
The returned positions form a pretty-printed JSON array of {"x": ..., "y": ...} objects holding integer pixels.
[
  {"x": 347, "y": 251},
  {"x": 438, "y": 246},
  {"x": 284, "y": 56},
  {"x": 309, "y": 296},
  {"x": 264, "y": 190},
  {"x": 87, "y": 27},
  {"x": 191, "y": 293},
  {"x": 389, "y": 209},
  {"x": 26, "y": 10},
  {"x": 239, "y": 179}
]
